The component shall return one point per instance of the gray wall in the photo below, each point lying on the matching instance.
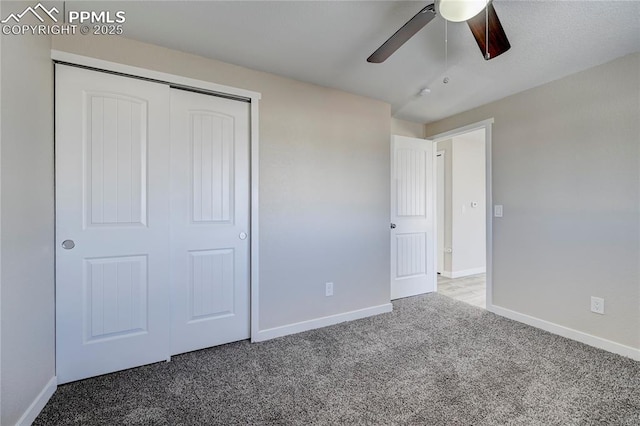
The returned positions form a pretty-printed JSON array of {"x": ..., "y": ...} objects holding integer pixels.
[
  {"x": 566, "y": 168},
  {"x": 407, "y": 128},
  {"x": 26, "y": 199},
  {"x": 324, "y": 183}
]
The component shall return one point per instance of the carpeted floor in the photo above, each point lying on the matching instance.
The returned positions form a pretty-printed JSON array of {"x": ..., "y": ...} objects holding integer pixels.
[{"x": 432, "y": 361}]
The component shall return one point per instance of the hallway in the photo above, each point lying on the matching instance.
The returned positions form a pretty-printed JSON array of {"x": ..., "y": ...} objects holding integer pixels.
[{"x": 471, "y": 289}]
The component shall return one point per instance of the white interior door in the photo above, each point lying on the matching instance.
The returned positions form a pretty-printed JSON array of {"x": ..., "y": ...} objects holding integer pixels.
[
  {"x": 209, "y": 220},
  {"x": 440, "y": 177},
  {"x": 112, "y": 222},
  {"x": 412, "y": 216}
]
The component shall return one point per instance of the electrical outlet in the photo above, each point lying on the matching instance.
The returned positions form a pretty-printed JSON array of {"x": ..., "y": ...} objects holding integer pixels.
[
  {"x": 597, "y": 305},
  {"x": 328, "y": 289}
]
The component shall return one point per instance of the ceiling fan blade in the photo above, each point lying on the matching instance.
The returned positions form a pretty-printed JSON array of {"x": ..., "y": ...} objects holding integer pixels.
[
  {"x": 401, "y": 36},
  {"x": 498, "y": 42}
]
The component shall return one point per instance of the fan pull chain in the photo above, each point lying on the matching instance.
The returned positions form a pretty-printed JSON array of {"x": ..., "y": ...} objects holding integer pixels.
[{"x": 446, "y": 51}]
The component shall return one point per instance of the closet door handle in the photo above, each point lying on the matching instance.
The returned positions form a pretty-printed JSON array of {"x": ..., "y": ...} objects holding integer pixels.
[
  {"x": 393, "y": 226},
  {"x": 68, "y": 244}
]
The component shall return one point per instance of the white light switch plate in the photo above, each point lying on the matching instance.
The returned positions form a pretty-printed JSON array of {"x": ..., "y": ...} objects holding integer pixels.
[{"x": 497, "y": 210}]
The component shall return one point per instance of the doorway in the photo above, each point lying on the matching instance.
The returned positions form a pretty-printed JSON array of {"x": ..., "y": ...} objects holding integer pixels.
[{"x": 461, "y": 182}]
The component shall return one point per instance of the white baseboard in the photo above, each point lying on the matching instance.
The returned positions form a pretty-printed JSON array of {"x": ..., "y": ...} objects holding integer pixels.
[
  {"x": 463, "y": 273},
  {"x": 38, "y": 404},
  {"x": 567, "y": 332},
  {"x": 272, "y": 333}
]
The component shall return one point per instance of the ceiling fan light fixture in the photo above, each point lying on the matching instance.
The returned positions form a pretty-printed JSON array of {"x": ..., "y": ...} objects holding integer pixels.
[{"x": 460, "y": 10}]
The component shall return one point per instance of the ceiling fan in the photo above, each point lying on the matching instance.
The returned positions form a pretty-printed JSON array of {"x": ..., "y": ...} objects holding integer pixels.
[{"x": 485, "y": 27}]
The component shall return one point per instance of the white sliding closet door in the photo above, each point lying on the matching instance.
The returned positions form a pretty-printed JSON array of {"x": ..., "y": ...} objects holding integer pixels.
[
  {"x": 209, "y": 220},
  {"x": 112, "y": 223},
  {"x": 152, "y": 222}
]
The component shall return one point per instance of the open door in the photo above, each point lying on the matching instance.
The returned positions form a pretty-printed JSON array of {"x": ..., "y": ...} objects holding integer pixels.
[{"x": 413, "y": 265}]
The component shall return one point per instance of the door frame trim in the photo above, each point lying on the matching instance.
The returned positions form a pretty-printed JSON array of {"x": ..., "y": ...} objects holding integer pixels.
[
  {"x": 254, "y": 142},
  {"x": 487, "y": 125},
  {"x": 444, "y": 226}
]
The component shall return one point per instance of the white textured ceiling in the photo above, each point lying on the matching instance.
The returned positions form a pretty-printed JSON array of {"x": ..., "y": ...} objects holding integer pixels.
[{"x": 327, "y": 43}]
